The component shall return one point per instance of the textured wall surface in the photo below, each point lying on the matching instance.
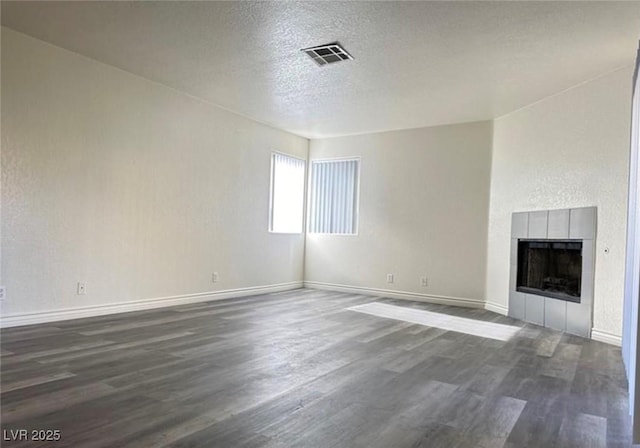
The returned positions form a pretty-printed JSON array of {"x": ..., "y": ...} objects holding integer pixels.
[
  {"x": 567, "y": 151},
  {"x": 134, "y": 188},
  {"x": 142, "y": 192},
  {"x": 424, "y": 200}
]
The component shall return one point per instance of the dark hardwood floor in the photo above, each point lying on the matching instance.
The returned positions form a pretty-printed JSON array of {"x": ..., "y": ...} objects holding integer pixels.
[{"x": 298, "y": 369}]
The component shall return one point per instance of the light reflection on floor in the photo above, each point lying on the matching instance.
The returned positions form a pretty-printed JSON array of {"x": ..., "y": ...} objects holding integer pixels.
[{"x": 448, "y": 322}]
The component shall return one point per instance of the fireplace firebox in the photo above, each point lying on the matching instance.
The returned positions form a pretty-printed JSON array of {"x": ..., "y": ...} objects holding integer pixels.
[{"x": 550, "y": 268}]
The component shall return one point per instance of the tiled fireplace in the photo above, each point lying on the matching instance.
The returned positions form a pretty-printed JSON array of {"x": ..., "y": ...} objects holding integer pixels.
[{"x": 552, "y": 268}]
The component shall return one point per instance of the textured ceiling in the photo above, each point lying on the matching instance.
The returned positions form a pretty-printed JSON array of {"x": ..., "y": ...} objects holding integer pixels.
[{"x": 416, "y": 63}]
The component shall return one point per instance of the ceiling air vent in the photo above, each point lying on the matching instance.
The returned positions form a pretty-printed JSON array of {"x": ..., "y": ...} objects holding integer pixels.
[{"x": 328, "y": 53}]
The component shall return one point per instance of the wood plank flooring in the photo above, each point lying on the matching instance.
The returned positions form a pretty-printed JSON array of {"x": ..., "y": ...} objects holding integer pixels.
[{"x": 297, "y": 369}]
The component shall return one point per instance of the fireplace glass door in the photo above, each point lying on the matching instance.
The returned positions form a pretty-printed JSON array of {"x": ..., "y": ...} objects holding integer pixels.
[{"x": 550, "y": 268}]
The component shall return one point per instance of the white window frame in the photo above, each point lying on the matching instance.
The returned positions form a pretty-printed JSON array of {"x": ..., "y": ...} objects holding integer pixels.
[
  {"x": 271, "y": 193},
  {"x": 356, "y": 211}
]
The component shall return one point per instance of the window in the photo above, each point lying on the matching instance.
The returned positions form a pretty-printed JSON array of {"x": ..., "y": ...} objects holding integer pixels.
[
  {"x": 287, "y": 194},
  {"x": 333, "y": 204}
]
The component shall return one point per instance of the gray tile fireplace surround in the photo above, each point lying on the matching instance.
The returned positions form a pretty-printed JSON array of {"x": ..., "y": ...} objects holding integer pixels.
[{"x": 572, "y": 224}]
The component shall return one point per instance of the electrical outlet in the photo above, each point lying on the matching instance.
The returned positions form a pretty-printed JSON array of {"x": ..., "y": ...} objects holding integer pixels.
[
  {"x": 389, "y": 278},
  {"x": 82, "y": 288},
  {"x": 214, "y": 277},
  {"x": 424, "y": 281},
  {"x": 2, "y": 292}
]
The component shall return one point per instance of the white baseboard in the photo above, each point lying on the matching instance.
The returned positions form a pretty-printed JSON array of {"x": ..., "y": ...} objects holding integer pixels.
[
  {"x": 606, "y": 337},
  {"x": 161, "y": 302},
  {"x": 496, "y": 308},
  {"x": 406, "y": 295},
  {"x": 139, "y": 305}
]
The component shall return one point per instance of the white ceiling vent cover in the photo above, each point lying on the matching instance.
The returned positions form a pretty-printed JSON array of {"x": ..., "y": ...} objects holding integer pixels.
[{"x": 328, "y": 53}]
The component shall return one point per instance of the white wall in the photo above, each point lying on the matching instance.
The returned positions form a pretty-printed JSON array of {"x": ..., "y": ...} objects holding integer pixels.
[
  {"x": 142, "y": 192},
  {"x": 136, "y": 189},
  {"x": 570, "y": 150},
  {"x": 424, "y": 198}
]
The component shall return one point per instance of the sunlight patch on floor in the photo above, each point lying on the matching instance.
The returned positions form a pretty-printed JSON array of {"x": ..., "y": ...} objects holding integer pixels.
[{"x": 473, "y": 327}]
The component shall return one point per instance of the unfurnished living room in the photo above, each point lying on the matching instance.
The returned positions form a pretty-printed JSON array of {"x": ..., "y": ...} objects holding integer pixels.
[{"x": 320, "y": 224}]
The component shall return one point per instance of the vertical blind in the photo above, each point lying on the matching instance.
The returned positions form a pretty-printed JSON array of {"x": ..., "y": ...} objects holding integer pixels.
[
  {"x": 287, "y": 194},
  {"x": 334, "y": 196}
]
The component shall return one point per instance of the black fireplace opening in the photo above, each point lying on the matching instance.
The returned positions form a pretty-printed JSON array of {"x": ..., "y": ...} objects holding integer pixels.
[{"x": 550, "y": 268}]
